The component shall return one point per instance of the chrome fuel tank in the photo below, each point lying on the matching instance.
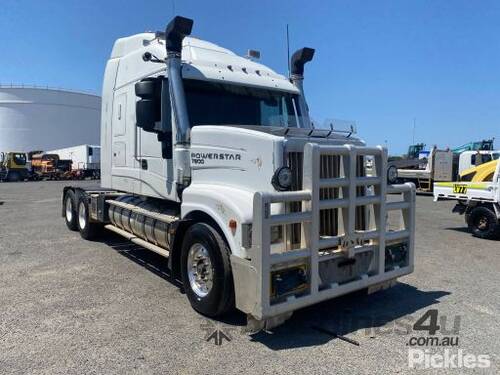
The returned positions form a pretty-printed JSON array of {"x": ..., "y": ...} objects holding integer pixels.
[{"x": 148, "y": 220}]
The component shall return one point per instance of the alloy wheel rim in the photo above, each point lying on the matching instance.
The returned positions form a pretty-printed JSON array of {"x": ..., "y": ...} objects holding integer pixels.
[
  {"x": 82, "y": 215},
  {"x": 69, "y": 209},
  {"x": 200, "y": 270}
]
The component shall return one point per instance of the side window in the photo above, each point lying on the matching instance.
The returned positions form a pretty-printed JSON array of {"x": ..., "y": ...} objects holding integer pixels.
[
  {"x": 473, "y": 159},
  {"x": 20, "y": 159}
]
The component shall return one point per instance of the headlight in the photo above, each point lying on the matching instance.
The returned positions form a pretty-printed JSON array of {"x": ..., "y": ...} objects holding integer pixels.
[{"x": 282, "y": 179}]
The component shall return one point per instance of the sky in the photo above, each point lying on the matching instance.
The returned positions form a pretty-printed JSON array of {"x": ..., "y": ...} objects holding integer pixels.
[{"x": 386, "y": 65}]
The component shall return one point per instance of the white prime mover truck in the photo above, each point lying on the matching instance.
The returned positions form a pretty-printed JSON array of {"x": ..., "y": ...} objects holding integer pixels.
[{"x": 210, "y": 160}]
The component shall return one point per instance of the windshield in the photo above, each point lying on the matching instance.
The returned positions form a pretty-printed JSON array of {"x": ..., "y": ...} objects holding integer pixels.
[
  {"x": 222, "y": 104},
  {"x": 20, "y": 159}
]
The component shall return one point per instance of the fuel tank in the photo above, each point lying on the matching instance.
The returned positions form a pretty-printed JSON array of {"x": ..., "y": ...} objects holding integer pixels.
[{"x": 150, "y": 220}]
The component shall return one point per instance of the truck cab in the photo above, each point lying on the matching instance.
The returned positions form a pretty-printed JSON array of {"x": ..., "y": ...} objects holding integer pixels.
[
  {"x": 211, "y": 160},
  {"x": 471, "y": 159}
]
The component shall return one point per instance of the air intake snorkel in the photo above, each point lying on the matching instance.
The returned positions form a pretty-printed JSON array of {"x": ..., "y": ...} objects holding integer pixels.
[
  {"x": 297, "y": 62},
  {"x": 175, "y": 32}
]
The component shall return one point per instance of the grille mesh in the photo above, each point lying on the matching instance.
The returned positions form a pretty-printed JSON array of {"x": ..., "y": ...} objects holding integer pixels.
[{"x": 330, "y": 167}]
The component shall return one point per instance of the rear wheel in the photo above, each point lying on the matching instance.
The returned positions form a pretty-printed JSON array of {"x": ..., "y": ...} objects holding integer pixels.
[
  {"x": 483, "y": 223},
  {"x": 70, "y": 214},
  {"x": 88, "y": 229},
  {"x": 206, "y": 271}
]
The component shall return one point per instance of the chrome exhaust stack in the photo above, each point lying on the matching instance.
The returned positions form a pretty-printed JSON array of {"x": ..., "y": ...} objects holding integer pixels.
[
  {"x": 175, "y": 32},
  {"x": 297, "y": 62}
]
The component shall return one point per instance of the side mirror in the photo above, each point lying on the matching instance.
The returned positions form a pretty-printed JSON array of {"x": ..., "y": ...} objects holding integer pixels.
[
  {"x": 148, "y": 108},
  {"x": 153, "y": 111}
]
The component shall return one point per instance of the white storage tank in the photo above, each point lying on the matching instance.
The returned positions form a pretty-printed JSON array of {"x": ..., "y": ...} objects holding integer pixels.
[{"x": 34, "y": 118}]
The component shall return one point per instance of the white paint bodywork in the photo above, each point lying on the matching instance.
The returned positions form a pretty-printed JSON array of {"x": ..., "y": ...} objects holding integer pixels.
[
  {"x": 124, "y": 145},
  {"x": 228, "y": 165},
  {"x": 487, "y": 192}
]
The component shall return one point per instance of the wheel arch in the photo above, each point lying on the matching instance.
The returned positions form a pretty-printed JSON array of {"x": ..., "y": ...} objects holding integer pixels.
[{"x": 193, "y": 217}]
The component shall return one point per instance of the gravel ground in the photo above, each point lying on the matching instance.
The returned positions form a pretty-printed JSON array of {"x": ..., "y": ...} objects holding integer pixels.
[{"x": 68, "y": 306}]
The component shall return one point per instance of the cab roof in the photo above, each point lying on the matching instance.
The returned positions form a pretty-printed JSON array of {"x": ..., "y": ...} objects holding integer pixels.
[{"x": 204, "y": 61}]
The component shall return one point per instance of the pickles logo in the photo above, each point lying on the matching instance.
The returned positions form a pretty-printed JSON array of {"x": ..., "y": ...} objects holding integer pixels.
[
  {"x": 201, "y": 157},
  {"x": 425, "y": 359}
]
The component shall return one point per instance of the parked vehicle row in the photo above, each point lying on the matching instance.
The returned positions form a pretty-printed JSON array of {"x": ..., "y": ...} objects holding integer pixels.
[{"x": 74, "y": 163}]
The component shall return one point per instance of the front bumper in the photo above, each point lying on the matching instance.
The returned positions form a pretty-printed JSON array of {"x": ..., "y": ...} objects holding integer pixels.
[{"x": 334, "y": 265}]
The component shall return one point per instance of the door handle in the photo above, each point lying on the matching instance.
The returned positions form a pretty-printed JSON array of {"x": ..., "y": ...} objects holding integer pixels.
[{"x": 144, "y": 164}]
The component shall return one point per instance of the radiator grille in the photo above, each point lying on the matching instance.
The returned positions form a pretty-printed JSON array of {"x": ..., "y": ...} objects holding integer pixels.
[
  {"x": 330, "y": 167},
  {"x": 295, "y": 163}
]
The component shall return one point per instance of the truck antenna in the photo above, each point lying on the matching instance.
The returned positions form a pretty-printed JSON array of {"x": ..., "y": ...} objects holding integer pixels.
[{"x": 288, "y": 50}]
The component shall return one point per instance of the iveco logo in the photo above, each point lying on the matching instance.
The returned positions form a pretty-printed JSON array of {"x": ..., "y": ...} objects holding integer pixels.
[{"x": 347, "y": 244}]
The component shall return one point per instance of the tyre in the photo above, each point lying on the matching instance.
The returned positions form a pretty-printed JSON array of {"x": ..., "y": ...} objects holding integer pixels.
[
  {"x": 69, "y": 209},
  {"x": 483, "y": 223},
  {"x": 88, "y": 230},
  {"x": 206, "y": 271},
  {"x": 392, "y": 174},
  {"x": 13, "y": 176}
]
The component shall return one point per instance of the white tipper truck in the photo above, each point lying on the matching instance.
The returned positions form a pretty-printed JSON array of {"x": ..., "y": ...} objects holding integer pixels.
[{"x": 210, "y": 160}]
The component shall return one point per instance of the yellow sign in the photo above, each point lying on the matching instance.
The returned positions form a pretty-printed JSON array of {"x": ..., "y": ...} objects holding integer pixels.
[{"x": 459, "y": 189}]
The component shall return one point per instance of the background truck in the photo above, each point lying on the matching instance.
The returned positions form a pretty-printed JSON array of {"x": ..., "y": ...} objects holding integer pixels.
[
  {"x": 13, "y": 166},
  {"x": 441, "y": 165},
  {"x": 86, "y": 160},
  {"x": 210, "y": 160},
  {"x": 478, "y": 198},
  {"x": 47, "y": 166},
  {"x": 435, "y": 165}
]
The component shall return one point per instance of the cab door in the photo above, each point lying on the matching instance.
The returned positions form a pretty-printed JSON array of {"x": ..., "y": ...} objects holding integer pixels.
[
  {"x": 125, "y": 169},
  {"x": 157, "y": 167}
]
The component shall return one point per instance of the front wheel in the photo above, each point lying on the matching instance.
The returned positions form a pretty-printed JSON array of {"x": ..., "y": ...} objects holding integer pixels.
[
  {"x": 483, "y": 223},
  {"x": 206, "y": 271}
]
